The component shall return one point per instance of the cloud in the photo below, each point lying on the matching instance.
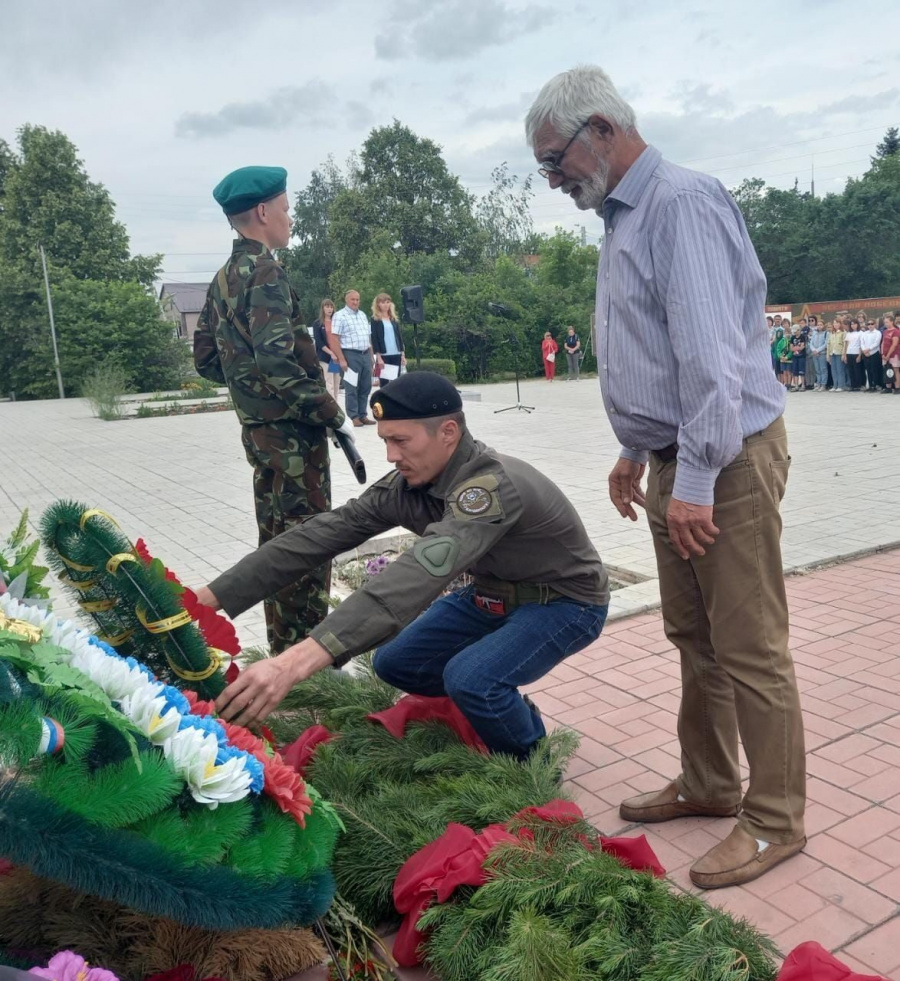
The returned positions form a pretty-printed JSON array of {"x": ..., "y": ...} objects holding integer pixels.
[
  {"x": 358, "y": 115},
  {"x": 506, "y": 112},
  {"x": 312, "y": 103},
  {"x": 700, "y": 97},
  {"x": 455, "y": 29},
  {"x": 382, "y": 86}
]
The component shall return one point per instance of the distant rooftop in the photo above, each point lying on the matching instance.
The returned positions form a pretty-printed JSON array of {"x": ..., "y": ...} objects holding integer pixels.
[{"x": 184, "y": 297}]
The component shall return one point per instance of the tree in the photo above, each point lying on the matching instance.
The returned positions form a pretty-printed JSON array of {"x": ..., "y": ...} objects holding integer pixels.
[
  {"x": 102, "y": 296},
  {"x": 504, "y": 213},
  {"x": 841, "y": 246},
  {"x": 889, "y": 146},
  {"x": 95, "y": 322},
  {"x": 406, "y": 191},
  {"x": 48, "y": 199},
  {"x": 311, "y": 260}
]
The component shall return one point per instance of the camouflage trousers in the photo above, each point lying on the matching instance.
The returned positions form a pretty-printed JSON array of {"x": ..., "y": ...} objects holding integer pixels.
[{"x": 291, "y": 482}]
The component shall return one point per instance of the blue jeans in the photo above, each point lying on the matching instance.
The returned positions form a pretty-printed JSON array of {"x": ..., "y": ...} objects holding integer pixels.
[
  {"x": 820, "y": 363},
  {"x": 357, "y": 396},
  {"x": 480, "y": 659},
  {"x": 839, "y": 372}
]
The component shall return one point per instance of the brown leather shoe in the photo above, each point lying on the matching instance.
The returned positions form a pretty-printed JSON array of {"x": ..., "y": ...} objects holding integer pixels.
[
  {"x": 664, "y": 805},
  {"x": 738, "y": 859},
  {"x": 366, "y": 421},
  {"x": 358, "y": 423}
]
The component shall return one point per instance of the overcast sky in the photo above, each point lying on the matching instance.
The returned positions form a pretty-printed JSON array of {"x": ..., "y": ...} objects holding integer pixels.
[{"x": 163, "y": 98}]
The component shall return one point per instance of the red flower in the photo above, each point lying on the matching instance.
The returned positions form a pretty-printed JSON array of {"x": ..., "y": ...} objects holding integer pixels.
[
  {"x": 281, "y": 782},
  {"x": 284, "y": 786},
  {"x": 198, "y": 706}
]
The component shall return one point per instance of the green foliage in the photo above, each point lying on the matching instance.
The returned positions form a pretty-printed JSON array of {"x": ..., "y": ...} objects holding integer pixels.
[
  {"x": 114, "y": 864},
  {"x": 441, "y": 366},
  {"x": 20, "y": 733},
  {"x": 115, "y": 795},
  {"x": 890, "y": 145},
  {"x": 422, "y": 782},
  {"x": 198, "y": 835},
  {"x": 803, "y": 242},
  {"x": 552, "y": 909},
  {"x": 504, "y": 213},
  {"x": 558, "y": 911},
  {"x": 104, "y": 387},
  {"x": 18, "y": 572},
  {"x": 102, "y": 299}
]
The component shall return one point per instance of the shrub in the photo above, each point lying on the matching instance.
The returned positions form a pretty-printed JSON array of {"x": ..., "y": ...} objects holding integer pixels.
[
  {"x": 104, "y": 387},
  {"x": 441, "y": 366}
]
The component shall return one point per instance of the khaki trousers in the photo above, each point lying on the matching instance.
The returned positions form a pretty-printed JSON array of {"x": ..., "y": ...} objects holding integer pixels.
[{"x": 727, "y": 614}]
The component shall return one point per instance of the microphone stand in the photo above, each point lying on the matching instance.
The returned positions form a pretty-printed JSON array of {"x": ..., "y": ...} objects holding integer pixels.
[{"x": 514, "y": 343}]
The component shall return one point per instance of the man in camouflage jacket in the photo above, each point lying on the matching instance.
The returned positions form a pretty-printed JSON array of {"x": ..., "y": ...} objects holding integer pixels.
[{"x": 250, "y": 337}]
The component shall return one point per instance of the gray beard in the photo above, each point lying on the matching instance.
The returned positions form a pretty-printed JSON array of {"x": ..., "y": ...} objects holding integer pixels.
[{"x": 593, "y": 189}]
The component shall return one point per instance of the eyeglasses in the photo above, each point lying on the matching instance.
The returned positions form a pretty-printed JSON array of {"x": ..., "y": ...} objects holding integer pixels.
[{"x": 554, "y": 166}]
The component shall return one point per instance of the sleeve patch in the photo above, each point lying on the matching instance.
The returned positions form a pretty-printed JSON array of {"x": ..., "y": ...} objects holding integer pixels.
[
  {"x": 478, "y": 497},
  {"x": 436, "y": 555}
]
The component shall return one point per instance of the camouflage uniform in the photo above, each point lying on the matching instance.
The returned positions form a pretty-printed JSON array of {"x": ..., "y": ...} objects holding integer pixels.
[{"x": 249, "y": 337}]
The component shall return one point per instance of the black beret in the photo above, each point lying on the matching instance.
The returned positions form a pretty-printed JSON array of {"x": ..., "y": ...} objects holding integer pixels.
[
  {"x": 247, "y": 187},
  {"x": 416, "y": 395}
]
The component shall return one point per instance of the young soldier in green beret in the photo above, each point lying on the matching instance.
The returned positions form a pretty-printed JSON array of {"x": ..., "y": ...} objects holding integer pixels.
[
  {"x": 540, "y": 591},
  {"x": 250, "y": 337}
]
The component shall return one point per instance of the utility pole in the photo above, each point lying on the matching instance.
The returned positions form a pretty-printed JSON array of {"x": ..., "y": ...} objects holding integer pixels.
[
  {"x": 62, "y": 393},
  {"x": 583, "y": 236},
  {"x": 812, "y": 170}
]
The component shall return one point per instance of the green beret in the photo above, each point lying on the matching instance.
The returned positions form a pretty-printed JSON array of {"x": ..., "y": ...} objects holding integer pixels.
[
  {"x": 247, "y": 187},
  {"x": 416, "y": 395}
]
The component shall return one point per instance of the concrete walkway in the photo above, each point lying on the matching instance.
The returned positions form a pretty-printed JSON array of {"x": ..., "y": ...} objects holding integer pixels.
[{"x": 183, "y": 483}]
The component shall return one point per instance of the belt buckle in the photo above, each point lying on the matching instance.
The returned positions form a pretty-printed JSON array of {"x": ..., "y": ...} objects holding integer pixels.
[{"x": 495, "y": 605}]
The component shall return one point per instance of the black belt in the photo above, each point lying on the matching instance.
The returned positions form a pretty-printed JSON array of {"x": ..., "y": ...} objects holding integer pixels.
[{"x": 667, "y": 453}]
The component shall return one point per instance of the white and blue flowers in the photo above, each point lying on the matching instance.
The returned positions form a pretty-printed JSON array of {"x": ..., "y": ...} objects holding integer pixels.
[{"x": 196, "y": 747}]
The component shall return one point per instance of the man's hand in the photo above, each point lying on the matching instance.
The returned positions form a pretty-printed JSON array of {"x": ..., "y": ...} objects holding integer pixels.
[
  {"x": 206, "y": 597},
  {"x": 690, "y": 527},
  {"x": 625, "y": 487},
  {"x": 260, "y": 688},
  {"x": 343, "y": 363}
]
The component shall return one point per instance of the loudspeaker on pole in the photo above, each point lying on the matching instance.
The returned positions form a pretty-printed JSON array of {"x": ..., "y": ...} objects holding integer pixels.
[{"x": 413, "y": 304}]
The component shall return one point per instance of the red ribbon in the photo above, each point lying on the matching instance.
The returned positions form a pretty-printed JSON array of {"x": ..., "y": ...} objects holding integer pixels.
[
  {"x": 299, "y": 753},
  {"x": 457, "y": 859},
  {"x": 812, "y": 962},
  {"x": 420, "y": 708}
]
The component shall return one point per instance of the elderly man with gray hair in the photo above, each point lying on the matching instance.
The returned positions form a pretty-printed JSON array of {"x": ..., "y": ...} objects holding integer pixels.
[{"x": 705, "y": 412}]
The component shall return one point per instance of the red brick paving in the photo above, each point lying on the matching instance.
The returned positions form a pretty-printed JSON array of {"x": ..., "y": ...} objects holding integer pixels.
[{"x": 844, "y": 890}]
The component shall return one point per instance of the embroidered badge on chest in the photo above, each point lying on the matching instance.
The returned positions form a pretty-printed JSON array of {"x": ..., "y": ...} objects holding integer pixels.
[{"x": 474, "y": 500}]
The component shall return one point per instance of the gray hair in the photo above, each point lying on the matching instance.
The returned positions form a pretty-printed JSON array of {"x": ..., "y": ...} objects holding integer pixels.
[{"x": 572, "y": 97}]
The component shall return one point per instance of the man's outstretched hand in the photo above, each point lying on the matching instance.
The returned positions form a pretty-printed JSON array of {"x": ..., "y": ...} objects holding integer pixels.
[
  {"x": 625, "y": 487},
  {"x": 690, "y": 527},
  {"x": 262, "y": 686},
  {"x": 206, "y": 597}
]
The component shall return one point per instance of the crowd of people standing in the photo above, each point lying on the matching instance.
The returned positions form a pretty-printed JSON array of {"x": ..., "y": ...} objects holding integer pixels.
[{"x": 846, "y": 355}]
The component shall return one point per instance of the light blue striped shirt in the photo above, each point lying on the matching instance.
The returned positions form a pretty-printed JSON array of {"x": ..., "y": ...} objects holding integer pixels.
[{"x": 682, "y": 347}]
